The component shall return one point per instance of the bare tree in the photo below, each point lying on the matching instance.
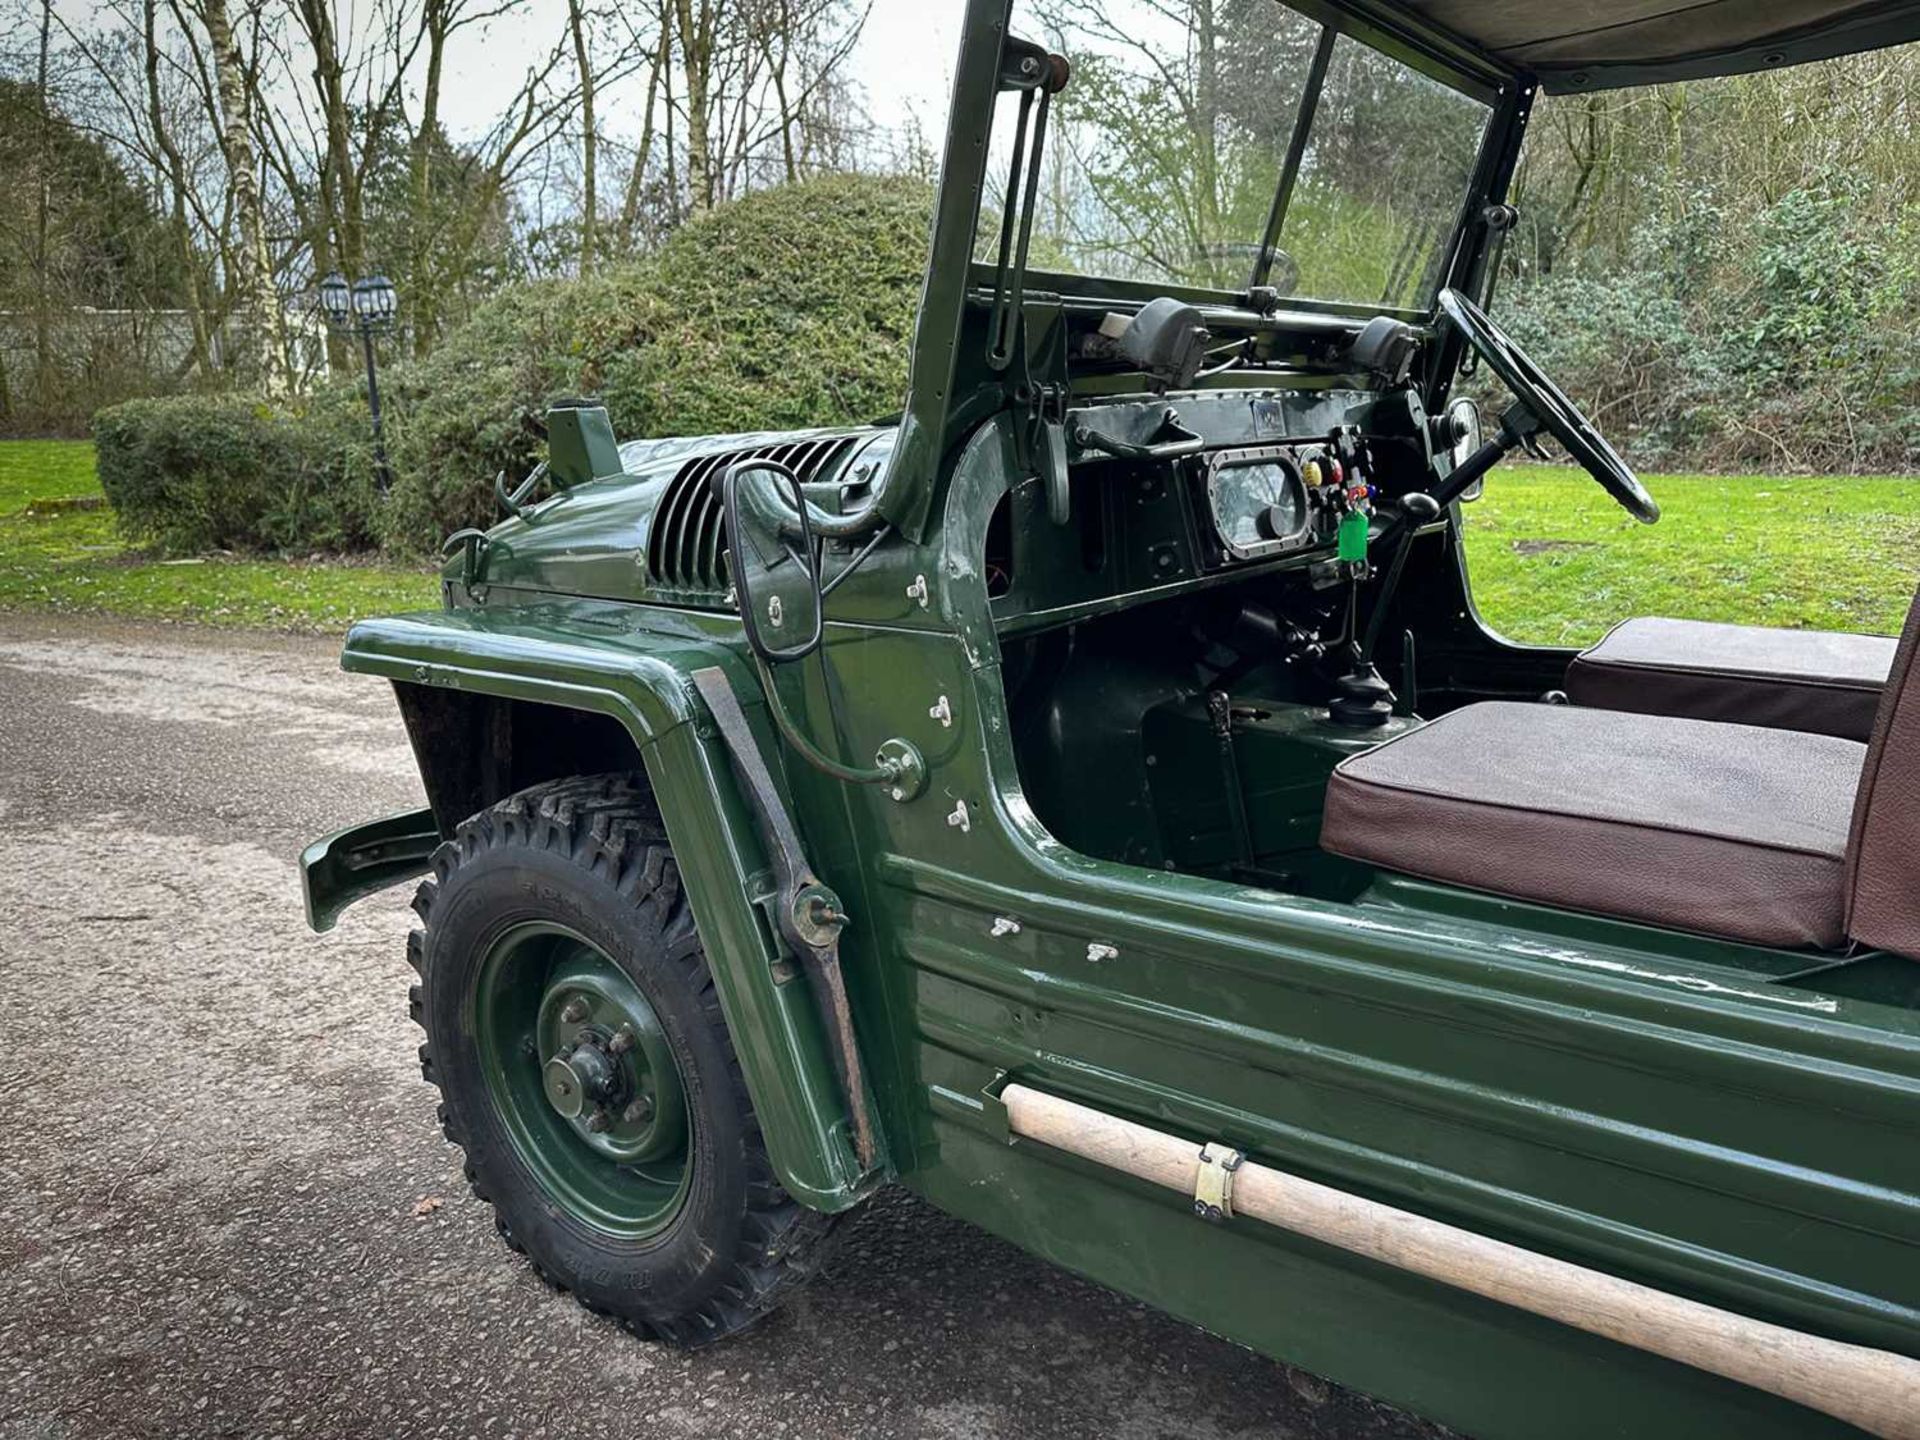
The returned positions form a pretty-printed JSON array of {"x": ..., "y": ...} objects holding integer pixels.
[
  {"x": 253, "y": 264},
  {"x": 280, "y": 140},
  {"x": 42, "y": 225},
  {"x": 590, "y": 138}
]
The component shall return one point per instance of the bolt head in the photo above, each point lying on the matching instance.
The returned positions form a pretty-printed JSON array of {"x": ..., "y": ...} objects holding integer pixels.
[
  {"x": 621, "y": 1042},
  {"x": 640, "y": 1111},
  {"x": 598, "y": 1122},
  {"x": 576, "y": 1010}
]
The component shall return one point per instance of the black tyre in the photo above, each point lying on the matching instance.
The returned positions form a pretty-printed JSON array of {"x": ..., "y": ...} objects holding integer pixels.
[{"x": 586, "y": 1070}]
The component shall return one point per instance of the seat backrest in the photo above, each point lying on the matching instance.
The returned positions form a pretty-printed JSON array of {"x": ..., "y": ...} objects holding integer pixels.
[{"x": 1883, "y": 853}]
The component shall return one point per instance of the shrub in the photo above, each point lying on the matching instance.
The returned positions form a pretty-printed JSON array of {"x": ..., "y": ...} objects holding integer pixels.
[
  {"x": 1782, "y": 344},
  {"x": 789, "y": 308},
  {"x": 190, "y": 473},
  {"x": 1623, "y": 348}
]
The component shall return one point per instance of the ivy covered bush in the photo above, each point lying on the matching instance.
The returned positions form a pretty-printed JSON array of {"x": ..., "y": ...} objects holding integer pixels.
[
  {"x": 790, "y": 308},
  {"x": 1784, "y": 343}
]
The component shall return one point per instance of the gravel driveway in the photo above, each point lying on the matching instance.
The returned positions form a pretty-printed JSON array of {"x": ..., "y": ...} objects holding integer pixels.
[{"x": 225, "y": 1207}]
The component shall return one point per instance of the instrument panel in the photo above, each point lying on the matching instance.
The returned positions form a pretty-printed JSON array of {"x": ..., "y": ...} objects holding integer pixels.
[{"x": 1268, "y": 500}]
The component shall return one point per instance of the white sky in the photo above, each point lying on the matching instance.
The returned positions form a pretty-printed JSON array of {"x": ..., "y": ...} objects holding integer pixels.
[{"x": 903, "y": 64}]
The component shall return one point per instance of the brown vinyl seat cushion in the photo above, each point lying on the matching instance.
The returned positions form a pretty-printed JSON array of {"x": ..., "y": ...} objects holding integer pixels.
[
  {"x": 1730, "y": 830},
  {"x": 1822, "y": 682}
]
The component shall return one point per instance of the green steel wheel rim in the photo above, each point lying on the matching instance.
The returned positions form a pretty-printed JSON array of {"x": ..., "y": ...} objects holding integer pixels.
[{"x": 582, "y": 1076}]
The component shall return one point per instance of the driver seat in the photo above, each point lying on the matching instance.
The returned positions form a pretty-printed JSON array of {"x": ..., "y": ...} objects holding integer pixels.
[{"x": 1771, "y": 837}]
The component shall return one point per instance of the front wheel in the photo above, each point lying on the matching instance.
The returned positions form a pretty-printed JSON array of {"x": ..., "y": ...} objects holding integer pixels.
[{"x": 585, "y": 1068}]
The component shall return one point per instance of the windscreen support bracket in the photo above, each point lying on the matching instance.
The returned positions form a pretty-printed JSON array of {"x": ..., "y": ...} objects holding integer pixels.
[
  {"x": 1038, "y": 76},
  {"x": 1296, "y": 155}
]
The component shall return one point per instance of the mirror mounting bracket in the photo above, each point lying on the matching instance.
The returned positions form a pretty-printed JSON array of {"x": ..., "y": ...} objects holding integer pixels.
[{"x": 898, "y": 765}]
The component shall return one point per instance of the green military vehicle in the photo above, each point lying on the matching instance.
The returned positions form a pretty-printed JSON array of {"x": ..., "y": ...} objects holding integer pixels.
[{"x": 1093, "y": 802}]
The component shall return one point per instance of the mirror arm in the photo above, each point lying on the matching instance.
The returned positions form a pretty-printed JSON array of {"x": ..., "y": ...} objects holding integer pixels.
[
  {"x": 895, "y": 766},
  {"x": 859, "y": 559},
  {"x": 899, "y": 764}
]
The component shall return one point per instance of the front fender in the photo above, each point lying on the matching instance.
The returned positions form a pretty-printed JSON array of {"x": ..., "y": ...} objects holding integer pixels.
[{"x": 641, "y": 679}]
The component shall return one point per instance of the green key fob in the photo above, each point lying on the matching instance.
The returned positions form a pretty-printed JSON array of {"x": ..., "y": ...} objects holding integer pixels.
[{"x": 1353, "y": 535}]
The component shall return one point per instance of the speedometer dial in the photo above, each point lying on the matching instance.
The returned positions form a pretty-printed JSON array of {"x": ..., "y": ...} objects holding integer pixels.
[{"x": 1259, "y": 506}]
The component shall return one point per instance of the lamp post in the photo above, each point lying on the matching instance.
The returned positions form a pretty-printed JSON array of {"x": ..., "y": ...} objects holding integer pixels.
[{"x": 368, "y": 306}]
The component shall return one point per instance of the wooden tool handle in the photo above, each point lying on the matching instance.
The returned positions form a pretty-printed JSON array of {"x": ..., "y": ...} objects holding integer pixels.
[{"x": 1874, "y": 1389}]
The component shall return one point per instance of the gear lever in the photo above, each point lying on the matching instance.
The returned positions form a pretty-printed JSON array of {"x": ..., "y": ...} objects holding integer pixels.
[{"x": 1361, "y": 698}]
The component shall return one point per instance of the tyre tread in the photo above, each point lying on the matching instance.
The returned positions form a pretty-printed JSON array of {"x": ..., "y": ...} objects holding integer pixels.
[{"x": 610, "y": 826}]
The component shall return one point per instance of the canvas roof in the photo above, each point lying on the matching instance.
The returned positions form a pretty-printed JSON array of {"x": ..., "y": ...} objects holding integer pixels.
[{"x": 1599, "y": 44}]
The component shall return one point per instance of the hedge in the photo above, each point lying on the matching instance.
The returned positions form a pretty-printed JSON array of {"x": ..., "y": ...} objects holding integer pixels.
[
  {"x": 192, "y": 473},
  {"x": 789, "y": 308}
]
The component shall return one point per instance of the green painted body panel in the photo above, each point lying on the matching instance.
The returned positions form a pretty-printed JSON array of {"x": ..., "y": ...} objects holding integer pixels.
[
  {"x": 1724, "y": 1122},
  {"x": 611, "y": 662},
  {"x": 357, "y": 862}
]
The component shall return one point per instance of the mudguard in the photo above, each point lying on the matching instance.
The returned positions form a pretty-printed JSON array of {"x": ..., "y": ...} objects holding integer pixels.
[
  {"x": 356, "y": 863},
  {"x": 641, "y": 679}
]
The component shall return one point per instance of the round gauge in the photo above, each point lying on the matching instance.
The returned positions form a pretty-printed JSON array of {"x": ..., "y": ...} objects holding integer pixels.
[{"x": 1259, "y": 505}]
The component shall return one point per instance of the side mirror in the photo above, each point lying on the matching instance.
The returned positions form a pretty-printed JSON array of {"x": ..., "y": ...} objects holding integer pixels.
[{"x": 775, "y": 582}]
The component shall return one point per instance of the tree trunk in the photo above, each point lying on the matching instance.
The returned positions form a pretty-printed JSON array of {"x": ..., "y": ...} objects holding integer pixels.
[
  {"x": 174, "y": 166},
  {"x": 589, "y": 145},
  {"x": 423, "y": 304},
  {"x": 696, "y": 57},
  {"x": 42, "y": 229},
  {"x": 339, "y": 187},
  {"x": 776, "y": 47},
  {"x": 253, "y": 277},
  {"x": 346, "y": 217},
  {"x": 643, "y": 154}
]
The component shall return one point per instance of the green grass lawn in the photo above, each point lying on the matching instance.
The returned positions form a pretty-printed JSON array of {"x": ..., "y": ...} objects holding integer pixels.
[
  {"x": 57, "y": 554},
  {"x": 1553, "y": 559}
]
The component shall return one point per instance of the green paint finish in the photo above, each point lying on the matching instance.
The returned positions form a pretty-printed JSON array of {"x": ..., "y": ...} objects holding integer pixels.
[
  {"x": 580, "y": 444},
  {"x": 582, "y": 1076},
  {"x": 1103, "y": 892},
  {"x": 361, "y": 861},
  {"x": 612, "y": 660}
]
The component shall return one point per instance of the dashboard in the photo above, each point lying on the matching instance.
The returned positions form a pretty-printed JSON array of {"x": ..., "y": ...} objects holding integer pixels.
[{"x": 1277, "y": 476}]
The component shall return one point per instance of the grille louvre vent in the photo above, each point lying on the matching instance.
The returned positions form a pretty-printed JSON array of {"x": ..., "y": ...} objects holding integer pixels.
[{"x": 686, "y": 546}]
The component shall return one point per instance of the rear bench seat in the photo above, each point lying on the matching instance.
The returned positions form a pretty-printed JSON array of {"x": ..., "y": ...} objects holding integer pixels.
[{"x": 1820, "y": 682}]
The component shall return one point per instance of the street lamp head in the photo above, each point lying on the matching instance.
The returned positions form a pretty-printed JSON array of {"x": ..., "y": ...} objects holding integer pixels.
[
  {"x": 336, "y": 300},
  {"x": 374, "y": 301}
]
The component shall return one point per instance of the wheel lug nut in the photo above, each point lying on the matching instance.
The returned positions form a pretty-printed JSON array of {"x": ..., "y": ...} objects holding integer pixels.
[
  {"x": 639, "y": 1110},
  {"x": 598, "y": 1122},
  {"x": 576, "y": 1010},
  {"x": 622, "y": 1042}
]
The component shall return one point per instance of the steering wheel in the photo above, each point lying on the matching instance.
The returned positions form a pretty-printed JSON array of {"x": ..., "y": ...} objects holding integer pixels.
[{"x": 1549, "y": 404}]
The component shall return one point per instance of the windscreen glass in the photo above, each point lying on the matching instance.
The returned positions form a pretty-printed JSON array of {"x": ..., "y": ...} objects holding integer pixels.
[{"x": 1165, "y": 153}]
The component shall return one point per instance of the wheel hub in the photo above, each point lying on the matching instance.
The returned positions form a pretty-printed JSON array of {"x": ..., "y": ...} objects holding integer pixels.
[
  {"x": 580, "y": 1079},
  {"x": 586, "y": 1078}
]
